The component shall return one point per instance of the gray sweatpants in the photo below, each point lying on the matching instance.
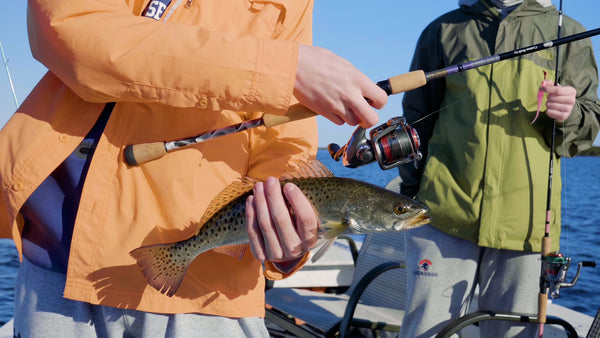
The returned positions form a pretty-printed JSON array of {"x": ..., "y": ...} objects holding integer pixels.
[
  {"x": 443, "y": 272},
  {"x": 41, "y": 311}
]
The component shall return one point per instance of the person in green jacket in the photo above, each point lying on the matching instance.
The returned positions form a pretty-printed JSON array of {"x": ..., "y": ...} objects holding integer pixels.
[{"x": 484, "y": 173}]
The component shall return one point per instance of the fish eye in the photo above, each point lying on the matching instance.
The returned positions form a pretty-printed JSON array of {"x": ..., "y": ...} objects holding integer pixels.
[{"x": 399, "y": 210}]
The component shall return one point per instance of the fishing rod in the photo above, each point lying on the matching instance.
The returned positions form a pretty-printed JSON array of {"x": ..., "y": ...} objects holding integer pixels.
[
  {"x": 554, "y": 265},
  {"x": 144, "y": 152},
  {"x": 9, "y": 77},
  {"x": 546, "y": 240},
  {"x": 140, "y": 153}
]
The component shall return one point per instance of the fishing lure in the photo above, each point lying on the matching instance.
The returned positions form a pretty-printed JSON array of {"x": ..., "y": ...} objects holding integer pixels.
[{"x": 540, "y": 98}]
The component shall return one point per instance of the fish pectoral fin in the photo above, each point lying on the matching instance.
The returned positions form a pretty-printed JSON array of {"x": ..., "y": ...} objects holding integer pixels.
[
  {"x": 331, "y": 229},
  {"x": 327, "y": 243},
  {"x": 235, "y": 251}
]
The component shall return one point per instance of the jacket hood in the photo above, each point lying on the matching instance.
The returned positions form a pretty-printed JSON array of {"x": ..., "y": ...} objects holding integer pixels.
[{"x": 486, "y": 8}]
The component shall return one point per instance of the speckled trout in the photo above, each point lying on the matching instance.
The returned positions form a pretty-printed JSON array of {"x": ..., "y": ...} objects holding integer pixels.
[{"x": 343, "y": 206}]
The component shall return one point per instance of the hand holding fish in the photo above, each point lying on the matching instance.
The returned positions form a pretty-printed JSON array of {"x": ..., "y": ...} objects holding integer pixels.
[
  {"x": 331, "y": 86},
  {"x": 560, "y": 100},
  {"x": 275, "y": 233}
]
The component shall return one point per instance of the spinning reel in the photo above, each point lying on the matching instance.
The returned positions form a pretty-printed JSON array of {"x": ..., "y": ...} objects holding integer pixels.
[
  {"x": 391, "y": 144},
  {"x": 554, "y": 274}
]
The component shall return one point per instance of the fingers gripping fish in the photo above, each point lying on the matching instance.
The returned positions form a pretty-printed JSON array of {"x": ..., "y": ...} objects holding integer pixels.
[{"x": 343, "y": 206}]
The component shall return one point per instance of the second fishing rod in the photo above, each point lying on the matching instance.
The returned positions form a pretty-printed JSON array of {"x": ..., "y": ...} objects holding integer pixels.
[{"x": 140, "y": 153}]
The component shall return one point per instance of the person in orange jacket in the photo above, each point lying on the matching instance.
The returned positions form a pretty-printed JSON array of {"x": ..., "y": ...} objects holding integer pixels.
[{"x": 126, "y": 72}]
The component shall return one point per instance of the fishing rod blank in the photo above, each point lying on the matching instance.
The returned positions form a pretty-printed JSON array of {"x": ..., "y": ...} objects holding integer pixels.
[
  {"x": 140, "y": 153},
  {"x": 12, "y": 87},
  {"x": 419, "y": 78}
]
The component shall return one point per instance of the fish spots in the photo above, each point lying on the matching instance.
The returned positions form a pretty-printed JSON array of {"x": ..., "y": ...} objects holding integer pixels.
[{"x": 317, "y": 197}]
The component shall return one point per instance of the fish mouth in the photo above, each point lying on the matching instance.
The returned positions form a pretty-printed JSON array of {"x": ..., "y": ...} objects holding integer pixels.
[{"x": 419, "y": 219}]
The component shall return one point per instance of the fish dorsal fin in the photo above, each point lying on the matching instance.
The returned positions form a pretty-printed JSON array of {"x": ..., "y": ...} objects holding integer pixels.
[
  {"x": 297, "y": 169},
  {"x": 230, "y": 193},
  {"x": 306, "y": 168}
]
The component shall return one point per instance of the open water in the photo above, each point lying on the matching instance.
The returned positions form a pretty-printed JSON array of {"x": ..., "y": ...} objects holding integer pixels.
[{"x": 580, "y": 235}]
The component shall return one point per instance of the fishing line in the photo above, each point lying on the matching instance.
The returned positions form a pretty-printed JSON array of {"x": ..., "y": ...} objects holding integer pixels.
[
  {"x": 441, "y": 109},
  {"x": 565, "y": 184},
  {"x": 565, "y": 176}
]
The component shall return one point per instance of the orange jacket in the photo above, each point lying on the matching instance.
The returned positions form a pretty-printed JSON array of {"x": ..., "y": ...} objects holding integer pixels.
[{"x": 213, "y": 64}]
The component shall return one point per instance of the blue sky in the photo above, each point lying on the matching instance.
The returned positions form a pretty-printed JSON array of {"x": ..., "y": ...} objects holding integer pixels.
[{"x": 378, "y": 37}]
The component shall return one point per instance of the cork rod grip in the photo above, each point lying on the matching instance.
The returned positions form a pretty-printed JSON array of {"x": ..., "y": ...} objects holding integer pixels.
[
  {"x": 542, "y": 307},
  {"x": 543, "y": 296},
  {"x": 295, "y": 112},
  {"x": 546, "y": 245},
  {"x": 140, "y": 153},
  {"x": 407, "y": 81}
]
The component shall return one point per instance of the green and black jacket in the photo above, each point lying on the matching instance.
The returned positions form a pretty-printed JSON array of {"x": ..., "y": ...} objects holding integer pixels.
[{"x": 485, "y": 176}]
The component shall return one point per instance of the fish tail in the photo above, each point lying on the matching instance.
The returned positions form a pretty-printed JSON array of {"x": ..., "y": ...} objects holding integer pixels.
[{"x": 163, "y": 267}]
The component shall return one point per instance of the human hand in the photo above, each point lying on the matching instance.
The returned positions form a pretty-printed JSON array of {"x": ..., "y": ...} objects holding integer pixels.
[
  {"x": 560, "y": 100},
  {"x": 332, "y": 87},
  {"x": 277, "y": 233}
]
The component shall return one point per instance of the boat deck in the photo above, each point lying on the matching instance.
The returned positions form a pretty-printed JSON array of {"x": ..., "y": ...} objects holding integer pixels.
[{"x": 335, "y": 269}]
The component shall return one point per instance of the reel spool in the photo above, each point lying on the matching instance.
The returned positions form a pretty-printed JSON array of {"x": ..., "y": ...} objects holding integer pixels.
[
  {"x": 554, "y": 273},
  {"x": 392, "y": 144}
]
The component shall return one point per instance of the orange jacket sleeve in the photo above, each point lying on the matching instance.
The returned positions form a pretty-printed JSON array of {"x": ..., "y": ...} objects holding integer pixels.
[{"x": 105, "y": 51}]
